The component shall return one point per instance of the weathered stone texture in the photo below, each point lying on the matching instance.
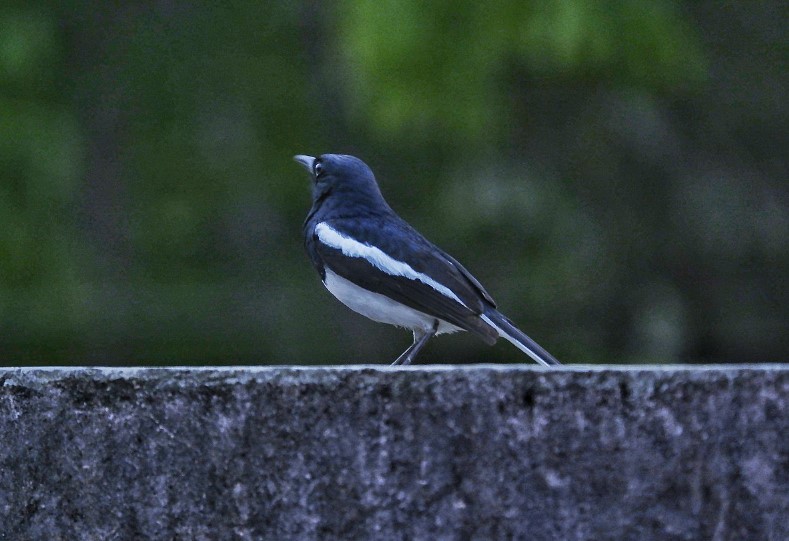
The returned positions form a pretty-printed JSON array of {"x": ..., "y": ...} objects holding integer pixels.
[{"x": 433, "y": 453}]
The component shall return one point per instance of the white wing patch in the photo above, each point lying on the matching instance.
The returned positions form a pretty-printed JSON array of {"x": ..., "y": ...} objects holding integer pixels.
[{"x": 377, "y": 258}]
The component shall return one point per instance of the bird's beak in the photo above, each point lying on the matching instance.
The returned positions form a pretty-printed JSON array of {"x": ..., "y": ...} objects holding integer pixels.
[{"x": 306, "y": 161}]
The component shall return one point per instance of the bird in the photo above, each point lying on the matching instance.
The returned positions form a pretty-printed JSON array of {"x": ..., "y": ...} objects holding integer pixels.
[{"x": 379, "y": 266}]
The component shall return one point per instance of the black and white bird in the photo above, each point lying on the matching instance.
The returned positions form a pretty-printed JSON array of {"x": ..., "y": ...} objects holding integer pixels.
[{"x": 379, "y": 266}]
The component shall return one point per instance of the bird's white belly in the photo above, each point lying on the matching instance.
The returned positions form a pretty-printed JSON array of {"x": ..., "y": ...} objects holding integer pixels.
[{"x": 380, "y": 307}]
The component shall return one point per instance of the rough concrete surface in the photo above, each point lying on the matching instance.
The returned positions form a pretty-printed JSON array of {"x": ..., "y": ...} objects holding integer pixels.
[{"x": 433, "y": 453}]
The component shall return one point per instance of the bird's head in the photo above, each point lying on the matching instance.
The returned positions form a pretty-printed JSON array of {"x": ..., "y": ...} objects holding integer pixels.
[{"x": 341, "y": 174}]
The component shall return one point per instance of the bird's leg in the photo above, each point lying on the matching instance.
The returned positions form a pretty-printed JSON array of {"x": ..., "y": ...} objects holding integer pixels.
[{"x": 420, "y": 339}]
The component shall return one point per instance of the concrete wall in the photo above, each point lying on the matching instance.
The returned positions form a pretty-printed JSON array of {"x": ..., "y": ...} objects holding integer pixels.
[{"x": 432, "y": 453}]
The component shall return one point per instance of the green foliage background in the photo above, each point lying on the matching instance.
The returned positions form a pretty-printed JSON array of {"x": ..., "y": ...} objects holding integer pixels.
[{"x": 613, "y": 172}]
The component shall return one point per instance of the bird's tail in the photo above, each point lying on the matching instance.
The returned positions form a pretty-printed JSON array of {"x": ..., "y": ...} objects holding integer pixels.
[{"x": 507, "y": 330}]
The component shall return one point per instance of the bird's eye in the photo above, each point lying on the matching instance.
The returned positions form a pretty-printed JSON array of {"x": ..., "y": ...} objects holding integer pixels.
[{"x": 318, "y": 167}]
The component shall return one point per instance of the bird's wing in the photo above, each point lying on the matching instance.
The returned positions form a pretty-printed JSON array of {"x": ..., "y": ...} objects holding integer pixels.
[
  {"x": 391, "y": 258},
  {"x": 470, "y": 277}
]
